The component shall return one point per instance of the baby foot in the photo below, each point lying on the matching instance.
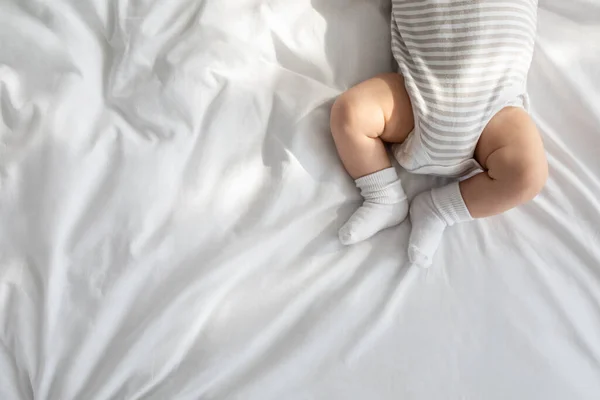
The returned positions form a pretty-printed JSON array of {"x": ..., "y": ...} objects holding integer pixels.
[
  {"x": 427, "y": 230},
  {"x": 371, "y": 218}
]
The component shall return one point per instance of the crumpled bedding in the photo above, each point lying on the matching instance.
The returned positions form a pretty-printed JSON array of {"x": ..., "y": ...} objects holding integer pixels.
[{"x": 170, "y": 197}]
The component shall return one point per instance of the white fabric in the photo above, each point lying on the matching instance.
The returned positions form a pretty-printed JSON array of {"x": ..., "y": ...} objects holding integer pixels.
[
  {"x": 385, "y": 205},
  {"x": 431, "y": 212},
  {"x": 170, "y": 198}
]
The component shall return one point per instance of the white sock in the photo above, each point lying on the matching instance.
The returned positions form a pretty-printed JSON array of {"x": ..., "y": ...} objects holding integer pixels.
[
  {"x": 430, "y": 213},
  {"x": 385, "y": 206}
]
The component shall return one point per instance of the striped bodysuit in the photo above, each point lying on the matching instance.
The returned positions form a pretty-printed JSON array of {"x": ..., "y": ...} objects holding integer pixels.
[{"x": 462, "y": 62}]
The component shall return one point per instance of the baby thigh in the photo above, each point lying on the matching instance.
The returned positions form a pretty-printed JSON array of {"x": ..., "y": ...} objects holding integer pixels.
[
  {"x": 363, "y": 117},
  {"x": 512, "y": 153},
  {"x": 376, "y": 108}
]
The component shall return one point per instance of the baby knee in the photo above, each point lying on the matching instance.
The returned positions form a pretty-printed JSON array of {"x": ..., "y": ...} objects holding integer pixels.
[
  {"x": 343, "y": 114},
  {"x": 531, "y": 178},
  {"x": 352, "y": 115}
]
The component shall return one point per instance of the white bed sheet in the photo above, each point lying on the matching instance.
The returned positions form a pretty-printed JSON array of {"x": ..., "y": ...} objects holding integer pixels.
[{"x": 170, "y": 196}]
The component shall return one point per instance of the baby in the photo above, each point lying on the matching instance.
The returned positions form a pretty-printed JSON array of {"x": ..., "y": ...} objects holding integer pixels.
[{"x": 457, "y": 108}]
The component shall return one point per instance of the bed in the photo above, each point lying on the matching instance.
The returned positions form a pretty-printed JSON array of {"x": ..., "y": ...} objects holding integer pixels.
[{"x": 170, "y": 197}]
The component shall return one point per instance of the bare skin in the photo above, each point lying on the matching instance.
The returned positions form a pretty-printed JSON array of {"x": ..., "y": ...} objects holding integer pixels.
[
  {"x": 510, "y": 148},
  {"x": 364, "y": 117}
]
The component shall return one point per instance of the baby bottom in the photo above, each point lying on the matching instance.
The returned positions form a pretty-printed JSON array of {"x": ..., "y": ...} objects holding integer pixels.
[{"x": 510, "y": 152}]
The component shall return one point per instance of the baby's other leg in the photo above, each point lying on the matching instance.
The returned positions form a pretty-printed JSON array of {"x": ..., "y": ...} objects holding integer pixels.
[
  {"x": 361, "y": 119},
  {"x": 512, "y": 153}
]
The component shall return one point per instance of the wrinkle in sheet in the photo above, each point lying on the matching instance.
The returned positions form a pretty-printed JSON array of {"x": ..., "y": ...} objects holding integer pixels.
[{"x": 176, "y": 213}]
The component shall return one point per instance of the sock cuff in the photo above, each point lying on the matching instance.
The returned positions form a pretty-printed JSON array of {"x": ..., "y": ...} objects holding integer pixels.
[
  {"x": 450, "y": 204},
  {"x": 377, "y": 180},
  {"x": 382, "y": 187}
]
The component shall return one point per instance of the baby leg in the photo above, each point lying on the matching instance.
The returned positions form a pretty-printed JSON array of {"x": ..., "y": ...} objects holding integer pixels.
[
  {"x": 512, "y": 154},
  {"x": 361, "y": 119},
  {"x": 375, "y": 110}
]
